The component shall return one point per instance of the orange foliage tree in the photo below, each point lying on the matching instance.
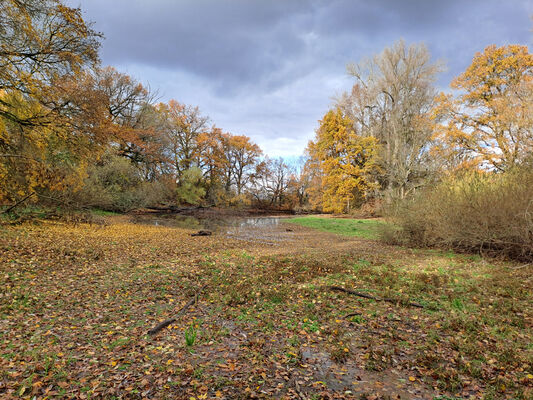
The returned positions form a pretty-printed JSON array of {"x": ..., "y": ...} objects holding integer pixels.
[
  {"x": 182, "y": 128},
  {"x": 490, "y": 123},
  {"x": 242, "y": 156}
]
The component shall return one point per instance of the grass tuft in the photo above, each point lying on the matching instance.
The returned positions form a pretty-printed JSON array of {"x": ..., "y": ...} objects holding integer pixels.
[{"x": 363, "y": 228}]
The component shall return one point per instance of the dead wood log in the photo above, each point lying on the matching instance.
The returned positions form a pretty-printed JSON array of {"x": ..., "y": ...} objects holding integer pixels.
[
  {"x": 17, "y": 203},
  {"x": 182, "y": 311},
  {"x": 202, "y": 233},
  {"x": 368, "y": 296},
  {"x": 352, "y": 315}
]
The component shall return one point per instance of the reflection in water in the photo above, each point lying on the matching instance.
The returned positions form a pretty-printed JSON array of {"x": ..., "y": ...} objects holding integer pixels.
[
  {"x": 263, "y": 229},
  {"x": 263, "y": 222}
]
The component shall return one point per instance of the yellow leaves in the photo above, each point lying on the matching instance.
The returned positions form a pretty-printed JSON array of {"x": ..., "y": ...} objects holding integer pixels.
[
  {"x": 412, "y": 379},
  {"x": 346, "y": 160},
  {"x": 37, "y": 384},
  {"x": 491, "y": 120}
]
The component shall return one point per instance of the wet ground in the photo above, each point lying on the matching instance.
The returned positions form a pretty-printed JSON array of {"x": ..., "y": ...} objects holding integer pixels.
[
  {"x": 264, "y": 229},
  {"x": 81, "y": 298}
]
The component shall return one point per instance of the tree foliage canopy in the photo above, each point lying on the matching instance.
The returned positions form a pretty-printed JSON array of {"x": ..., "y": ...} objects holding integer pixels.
[{"x": 490, "y": 122}]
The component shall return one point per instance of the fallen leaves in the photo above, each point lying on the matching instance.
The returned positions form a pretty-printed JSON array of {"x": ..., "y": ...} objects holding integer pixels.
[{"x": 77, "y": 324}]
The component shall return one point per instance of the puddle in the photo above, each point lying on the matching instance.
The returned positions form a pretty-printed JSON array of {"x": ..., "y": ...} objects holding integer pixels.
[
  {"x": 349, "y": 377},
  {"x": 268, "y": 230}
]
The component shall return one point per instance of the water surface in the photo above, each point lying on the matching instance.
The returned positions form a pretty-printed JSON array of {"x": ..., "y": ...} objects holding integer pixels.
[{"x": 265, "y": 229}]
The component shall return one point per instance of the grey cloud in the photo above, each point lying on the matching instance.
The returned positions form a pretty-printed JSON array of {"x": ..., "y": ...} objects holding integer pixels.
[{"x": 269, "y": 68}]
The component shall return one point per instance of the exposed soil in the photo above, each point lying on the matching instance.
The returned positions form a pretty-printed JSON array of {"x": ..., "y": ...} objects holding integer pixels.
[{"x": 79, "y": 300}]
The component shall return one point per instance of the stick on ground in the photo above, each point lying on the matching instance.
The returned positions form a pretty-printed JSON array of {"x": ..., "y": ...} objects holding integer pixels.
[
  {"x": 182, "y": 311},
  {"x": 368, "y": 296},
  {"x": 17, "y": 203}
]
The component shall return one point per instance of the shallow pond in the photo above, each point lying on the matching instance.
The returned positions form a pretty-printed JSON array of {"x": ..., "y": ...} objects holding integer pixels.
[{"x": 265, "y": 229}]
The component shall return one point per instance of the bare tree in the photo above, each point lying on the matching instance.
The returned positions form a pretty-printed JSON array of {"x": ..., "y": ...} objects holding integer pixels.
[
  {"x": 272, "y": 183},
  {"x": 391, "y": 100},
  {"x": 184, "y": 125}
]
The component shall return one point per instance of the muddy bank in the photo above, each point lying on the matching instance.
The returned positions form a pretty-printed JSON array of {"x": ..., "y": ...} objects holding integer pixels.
[{"x": 268, "y": 229}]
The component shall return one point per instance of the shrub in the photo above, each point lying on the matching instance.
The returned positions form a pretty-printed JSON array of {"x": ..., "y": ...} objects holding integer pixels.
[
  {"x": 483, "y": 212},
  {"x": 115, "y": 184},
  {"x": 190, "y": 190}
]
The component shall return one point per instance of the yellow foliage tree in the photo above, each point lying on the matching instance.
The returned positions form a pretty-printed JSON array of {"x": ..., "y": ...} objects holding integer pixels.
[
  {"x": 347, "y": 160},
  {"x": 490, "y": 124},
  {"x": 37, "y": 157},
  {"x": 41, "y": 43},
  {"x": 44, "y": 48}
]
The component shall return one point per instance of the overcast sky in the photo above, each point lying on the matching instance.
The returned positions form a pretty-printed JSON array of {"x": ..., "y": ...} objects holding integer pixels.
[{"x": 269, "y": 68}]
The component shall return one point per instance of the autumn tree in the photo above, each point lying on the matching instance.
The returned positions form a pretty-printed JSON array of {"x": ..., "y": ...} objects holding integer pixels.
[
  {"x": 348, "y": 162},
  {"x": 35, "y": 158},
  {"x": 301, "y": 182},
  {"x": 271, "y": 185},
  {"x": 133, "y": 124},
  {"x": 44, "y": 47},
  {"x": 184, "y": 125},
  {"x": 41, "y": 43},
  {"x": 391, "y": 101},
  {"x": 212, "y": 160},
  {"x": 312, "y": 181},
  {"x": 490, "y": 121},
  {"x": 277, "y": 181},
  {"x": 241, "y": 156}
]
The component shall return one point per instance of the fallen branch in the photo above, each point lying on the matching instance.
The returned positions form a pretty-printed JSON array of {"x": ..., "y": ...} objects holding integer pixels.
[
  {"x": 368, "y": 296},
  {"x": 522, "y": 266},
  {"x": 17, "y": 203},
  {"x": 352, "y": 315},
  {"x": 182, "y": 311},
  {"x": 202, "y": 233}
]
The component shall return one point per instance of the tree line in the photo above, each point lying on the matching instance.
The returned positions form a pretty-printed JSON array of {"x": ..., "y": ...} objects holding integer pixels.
[
  {"x": 452, "y": 170},
  {"x": 83, "y": 135},
  {"x": 394, "y": 134}
]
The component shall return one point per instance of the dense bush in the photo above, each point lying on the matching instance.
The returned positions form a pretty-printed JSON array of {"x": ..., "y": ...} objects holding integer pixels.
[
  {"x": 189, "y": 189},
  {"x": 115, "y": 184},
  {"x": 490, "y": 213}
]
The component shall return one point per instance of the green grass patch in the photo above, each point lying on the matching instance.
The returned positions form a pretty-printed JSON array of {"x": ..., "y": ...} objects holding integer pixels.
[
  {"x": 103, "y": 213},
  {"x": 363, "y": 228}
]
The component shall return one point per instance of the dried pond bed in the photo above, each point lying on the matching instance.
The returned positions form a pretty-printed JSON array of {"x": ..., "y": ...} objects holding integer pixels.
[{"x": 78, "y": 301}]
